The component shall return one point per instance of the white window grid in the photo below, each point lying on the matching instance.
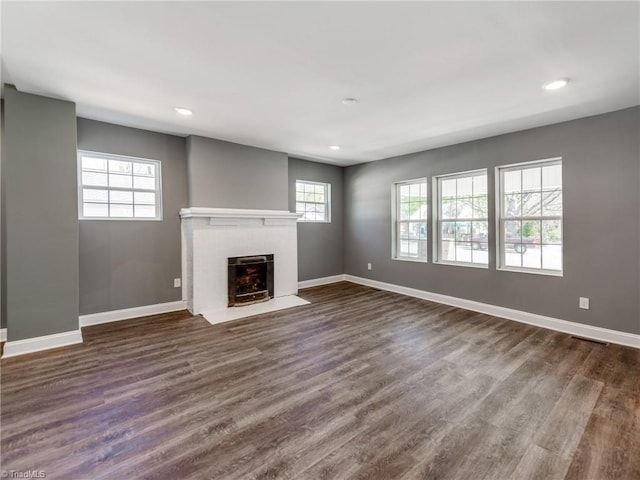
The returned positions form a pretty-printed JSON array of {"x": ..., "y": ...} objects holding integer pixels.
[
  {"x": 141, "y": 201},
  {"x": 544, "y": 208},
  {"x": 313, "y": 200},
  {"x": 465, "y": 216},
  {"x": 411, "y": 216}
]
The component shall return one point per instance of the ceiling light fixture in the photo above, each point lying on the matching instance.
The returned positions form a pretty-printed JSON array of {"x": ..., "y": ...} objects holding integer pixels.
[
  {"x": 349, "y": 101},
  {"x": 334, "y": 147},
  {"x": 183, "y": 111},
  {"x": 556, "y": 84}
]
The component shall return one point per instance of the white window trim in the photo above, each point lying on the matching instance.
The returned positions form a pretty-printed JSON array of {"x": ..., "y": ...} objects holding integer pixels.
[
  {"x": 327, "y": 204},
  {"x": 112, "y": 156},
  {"x": 437, "y": 213},
  {"x": 395, "y": 223},
  {"x": 500, "y": 260}
]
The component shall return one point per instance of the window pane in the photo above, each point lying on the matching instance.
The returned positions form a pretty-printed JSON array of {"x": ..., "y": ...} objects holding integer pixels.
[
  {"x": 119, "y": 166},
  {"x": 531, "y": 231},
  {"x": 448, "y": 188},
  {"x": 463, "y": 252},
  {"x": 480, "y": 185},
  {"x": 145, "y": 211},
  {"x": 465, "y": 187},
  {"x": 531, "y": 179},
  {"x": 448, "y": 207},
  {"x": 531, "y": 206},
  {"x": 118, "y": 210},
  {"x": 552, "y": 203},
  {"x": 404, "y": 192},
  {"x": 97, "y": 179},
  {"x": 551, "y": 232},
  {"x": 404, "y": 230},
  {"x": 404, "y": 248},
  {"x": 512, "y": 205},
  {"x": 448, "y": 230},
  {"x": 480, "y": 207},
  {"x": 144, "y": 183},
  {"x": 146, "y": 198},
  {"x": 92, "y": 163},
  {"x": 512, "y": 181},
  {"x": 480, "y": 253},
  {"x": 95, "y": 210},
  {"x": 318, "y": 189},
  {"x": 531, "y": 257},
  {"x": 144, "y": 169},
  {"x": 512, "y": 231},
  {"x": 511, "y": 257},
  {"x": 91, "y": 195},
  {"x": 480, "y": 231},
  {"x": 299, "y": 196},
  {"x": 464, "y": 207},
  {"x": 447, "y": 250},
  {"x": 120, "y": 181},
  {"x": 552, "y": 176},
  {"x": 463, "y": 231},
  {"x": 552, "y": 257},
  {"x": 116, "y": 196}
]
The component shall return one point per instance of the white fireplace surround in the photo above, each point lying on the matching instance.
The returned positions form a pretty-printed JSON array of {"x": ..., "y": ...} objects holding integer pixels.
[{"x": 211, "y": 235}]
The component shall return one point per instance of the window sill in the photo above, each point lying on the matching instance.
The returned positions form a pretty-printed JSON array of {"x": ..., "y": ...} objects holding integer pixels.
[
  {"x": 314, "y": 221},
  {"x": 118, "y": 219},
  {"x": 410, "y": 259},
  {"x": 550, "y": 273},
  {"x": 463, "y": 264}
]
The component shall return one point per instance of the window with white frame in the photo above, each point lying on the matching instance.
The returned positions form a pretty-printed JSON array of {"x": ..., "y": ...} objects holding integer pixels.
[
  {"x": 462, "y": 213},
  {"x": 116, "y": 187},
  {"x": 530, "y": 217},
  {"x": 313, "y": 200},
  {"x": 410, "y": 227}
]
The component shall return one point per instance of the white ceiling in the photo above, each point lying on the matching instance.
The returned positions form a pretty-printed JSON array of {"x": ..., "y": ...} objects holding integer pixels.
[{"x": 272, "y": 74}]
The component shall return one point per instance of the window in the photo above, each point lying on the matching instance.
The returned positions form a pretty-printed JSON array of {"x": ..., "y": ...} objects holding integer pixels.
[
  {"x": 313, "y": 200},
  {"x": 463, "y": 219},
  {"x": 118, "y": 188},
  {"x": 411, "y": 220},
  {"x": 530, "y": 225}
]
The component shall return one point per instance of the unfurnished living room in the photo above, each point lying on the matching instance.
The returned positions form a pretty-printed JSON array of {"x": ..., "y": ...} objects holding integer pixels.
[{"x": 320, "y": 240}]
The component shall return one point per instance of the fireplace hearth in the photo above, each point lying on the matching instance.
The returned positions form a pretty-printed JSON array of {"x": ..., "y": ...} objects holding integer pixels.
[{"x": 250, "y": 280}]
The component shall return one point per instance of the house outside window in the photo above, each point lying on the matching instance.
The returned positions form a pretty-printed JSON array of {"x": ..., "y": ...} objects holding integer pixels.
[
  {"x": 313, "y": 201},
  {"x": 530, "y": 236},
  {"x": 411, "y": 215},
  {"x": 115, "y": 187},
  {"x": 462, "y": 219}
]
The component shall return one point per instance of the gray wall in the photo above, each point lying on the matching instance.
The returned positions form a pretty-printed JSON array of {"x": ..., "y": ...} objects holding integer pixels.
[
  {"x": 41, "y": 215},
  {"x": 126, "y": 264},
  {"x": 229, "y": 175},
  {"x": 320, "y": 245},
  {"x": 601, "y": 172}
]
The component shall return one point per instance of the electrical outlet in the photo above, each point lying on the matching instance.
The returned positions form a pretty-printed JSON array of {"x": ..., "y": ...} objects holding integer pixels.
[
  {"x": 584, "y": 303},
  {"x": 369, "y": 266},
  {"x": 177, "y": 282}
]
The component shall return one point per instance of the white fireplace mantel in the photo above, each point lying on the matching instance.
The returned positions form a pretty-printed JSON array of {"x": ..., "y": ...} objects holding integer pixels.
[
  {"x": 211, "y": 235},
  {"x": 236, "y": 213}
]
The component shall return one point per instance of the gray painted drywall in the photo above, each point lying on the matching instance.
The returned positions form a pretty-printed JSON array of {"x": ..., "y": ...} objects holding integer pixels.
[
  {"x": 3, "y": 229},
  {"x": 320, "y": 245},
  {"x": 229, "y": 175},
  {"x": 126, "y": 263},
  {"x": 601, "y": 163},
  {"x": 41, "y": 215}
]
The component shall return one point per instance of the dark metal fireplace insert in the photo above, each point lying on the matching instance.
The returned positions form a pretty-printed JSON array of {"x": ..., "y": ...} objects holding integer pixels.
[{"x": 250, "y": 279}]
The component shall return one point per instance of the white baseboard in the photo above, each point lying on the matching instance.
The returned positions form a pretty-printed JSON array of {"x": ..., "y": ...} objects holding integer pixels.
[
  {"x": 3, "y": 334},
  {"x": 572, "y": 328},
  {"x": 314, "y": 282},
  {"x": 127, "y": 313},
  {"x": 36, "y": 344}
]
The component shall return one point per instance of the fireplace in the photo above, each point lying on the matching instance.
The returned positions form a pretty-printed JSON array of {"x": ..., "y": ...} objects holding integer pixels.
[{"x": 250, "y": 279}]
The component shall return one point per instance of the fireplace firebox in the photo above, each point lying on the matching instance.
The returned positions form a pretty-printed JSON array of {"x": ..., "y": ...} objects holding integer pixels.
[{"x": 250, "y": 279}]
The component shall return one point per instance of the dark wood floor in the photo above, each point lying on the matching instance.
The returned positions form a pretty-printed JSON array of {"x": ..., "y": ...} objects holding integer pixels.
[{"x": 359, "y": 384}]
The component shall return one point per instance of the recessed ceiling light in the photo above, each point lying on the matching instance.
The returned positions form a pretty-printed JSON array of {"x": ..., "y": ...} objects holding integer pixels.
[
  {"x": 183, "y": 111},
  {"x": 556, "y": 84},
  {"x": 334, "y": 147},
  {"x": 349, "y": 101}
]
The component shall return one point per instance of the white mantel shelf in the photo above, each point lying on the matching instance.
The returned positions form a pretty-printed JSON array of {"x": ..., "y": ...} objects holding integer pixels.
[{"x": 231, "y": 213}]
